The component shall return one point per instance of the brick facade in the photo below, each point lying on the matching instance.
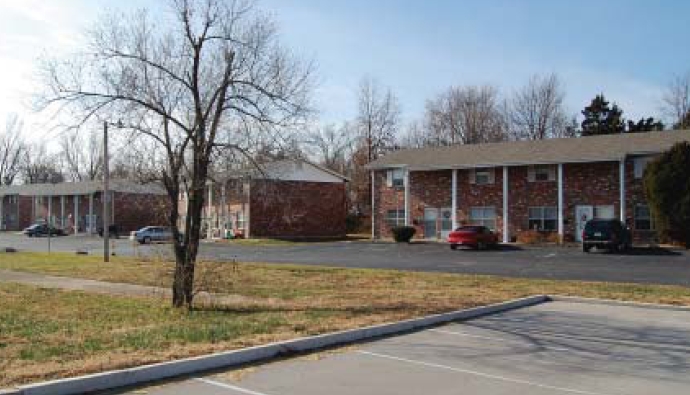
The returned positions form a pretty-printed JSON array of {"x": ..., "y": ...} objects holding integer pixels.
[
  {"x": 589, "y": 184},
  {"x": 130, "y": 212}
]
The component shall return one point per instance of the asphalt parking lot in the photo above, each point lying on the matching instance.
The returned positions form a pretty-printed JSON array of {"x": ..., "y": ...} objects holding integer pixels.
[
  {"x": 642, "y": 265},
  {"x": 552, "y": 348}
]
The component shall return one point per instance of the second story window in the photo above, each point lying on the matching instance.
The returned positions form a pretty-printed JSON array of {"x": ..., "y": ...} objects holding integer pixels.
[
  {"x": 395, "y": 178},
  {"x": 540, "y": 173},
  {"x": 482, "y": 176}
]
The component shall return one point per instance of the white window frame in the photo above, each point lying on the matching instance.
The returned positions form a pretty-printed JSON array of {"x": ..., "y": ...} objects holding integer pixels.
[
  {"x": 397, "y": 220},
  {"x": 640, "y": 164},
  {"x": 542, "y": 218},
  {"x": 395, "y": 178},
  {"x": 648, "y": 218},
  {"x": 483, "y": 220},
  {"x": 482, "y": 172}
]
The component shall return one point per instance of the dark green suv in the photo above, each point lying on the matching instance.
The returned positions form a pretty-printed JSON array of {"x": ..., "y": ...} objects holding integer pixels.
[{"x": 610, "y": 234}]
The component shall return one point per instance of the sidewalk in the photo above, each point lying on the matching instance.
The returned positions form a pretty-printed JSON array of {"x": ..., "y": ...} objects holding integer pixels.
[{"x": 104, "y": 287}]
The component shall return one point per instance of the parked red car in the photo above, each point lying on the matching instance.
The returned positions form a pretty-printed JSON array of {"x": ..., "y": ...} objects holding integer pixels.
[{"x": 475, "y": 236}]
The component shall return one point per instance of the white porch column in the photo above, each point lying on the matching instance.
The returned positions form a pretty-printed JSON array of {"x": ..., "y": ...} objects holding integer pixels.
[
  {"x": 62, "y": 211},
  {"x": 50, "y": 210},
  {"x": 373, "y": 205},
  {"x": 407, "y": 197},
  {"x": 621, "y": 171},
  {"x": 75, "y": 216},
  {"x": 454, "y": 199},
  {"x": 506, "y": 218},
  {"x": 90, "y": 221},
  {"x": 560, "y": 203}
]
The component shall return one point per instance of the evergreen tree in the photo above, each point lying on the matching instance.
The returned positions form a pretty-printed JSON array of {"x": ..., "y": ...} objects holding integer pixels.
[
  {"x": 667, "y": 188},
  {"x": 645, "y": 125},
  {"x": 602, "y": 119}
]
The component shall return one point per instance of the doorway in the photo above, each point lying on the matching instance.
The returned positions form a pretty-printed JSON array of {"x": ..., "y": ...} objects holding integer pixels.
[
  {"x": 586, "y": 213},
  {"x": 438, "y": 222}
]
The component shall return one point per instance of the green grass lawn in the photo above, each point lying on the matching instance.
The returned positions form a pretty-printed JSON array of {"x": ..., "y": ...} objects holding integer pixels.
[{"x": 50, "y": 333}]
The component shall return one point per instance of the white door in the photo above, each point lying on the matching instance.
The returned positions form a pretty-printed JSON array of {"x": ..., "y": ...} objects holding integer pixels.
[
  {"x": 446, "y": 222},
  {"x": 430, "y": 219},
  {"x": 582, "y": 215}
]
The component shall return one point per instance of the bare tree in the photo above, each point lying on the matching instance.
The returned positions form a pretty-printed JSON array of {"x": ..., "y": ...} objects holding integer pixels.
[
  {"x": 37, "y": 166},
  {"x": 535, "y": 111},
  {"x": 465, "y": 115},
  {"x": 12, "y": 147},
  {"x": 185, "y": 86},
  {"x": 676, "y": 101},
  {"x": 82, "y": 155},
  {"x": 378, "y": 119},
  {"x": 333, "y": 145},
  {"x": 416, "y": 136}
]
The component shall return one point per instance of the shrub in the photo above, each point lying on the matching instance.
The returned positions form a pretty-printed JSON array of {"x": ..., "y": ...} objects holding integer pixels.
[
  {"x": 667, "y": 188},
  {"x": 403, "y": 234}
]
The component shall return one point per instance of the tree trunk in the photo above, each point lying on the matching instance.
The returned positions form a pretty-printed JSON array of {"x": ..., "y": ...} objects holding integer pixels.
[{"x": 187, "y": 246}]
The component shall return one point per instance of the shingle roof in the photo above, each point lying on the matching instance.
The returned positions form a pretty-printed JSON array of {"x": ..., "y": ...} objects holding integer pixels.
[
  {"x": 81, "y": 188},
  {"x": 564, "y": 150}
]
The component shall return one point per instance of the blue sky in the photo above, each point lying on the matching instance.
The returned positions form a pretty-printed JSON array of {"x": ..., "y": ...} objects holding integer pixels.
[{"x": 628, "y": 49}]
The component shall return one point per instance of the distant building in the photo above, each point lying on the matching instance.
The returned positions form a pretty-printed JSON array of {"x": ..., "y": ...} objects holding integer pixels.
[
  {"x": 554, "y": 186},
  {"x": 77, "y": 207},
  {"x": 282, "y": 199}
]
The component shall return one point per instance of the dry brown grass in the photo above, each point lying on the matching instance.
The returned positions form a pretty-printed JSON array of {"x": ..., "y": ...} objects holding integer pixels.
[{"x": 48, "y": 333}]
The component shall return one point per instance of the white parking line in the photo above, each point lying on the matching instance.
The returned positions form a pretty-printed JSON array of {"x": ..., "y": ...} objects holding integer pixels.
[
  {"x": 229, "y": 386},
  {"x": 479, "y": 374},
  {"x": 498, "y": 339}
]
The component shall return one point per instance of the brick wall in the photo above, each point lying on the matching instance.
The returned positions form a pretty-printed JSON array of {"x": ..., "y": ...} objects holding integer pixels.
[
  {"x": 297, "y": 209},
  {"x": 589, "y": 184}
]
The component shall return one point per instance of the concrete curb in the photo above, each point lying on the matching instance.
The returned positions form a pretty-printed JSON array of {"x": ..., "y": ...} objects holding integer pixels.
[
  {"x": 165, "y": 370},
  {"x": 612, "y": 302}
]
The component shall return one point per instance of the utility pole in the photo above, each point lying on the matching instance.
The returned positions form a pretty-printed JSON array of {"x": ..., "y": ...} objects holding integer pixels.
[{"x": 106, "y": 196}]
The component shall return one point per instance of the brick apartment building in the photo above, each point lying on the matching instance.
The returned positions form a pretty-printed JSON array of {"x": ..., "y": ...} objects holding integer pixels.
[
  {"x": 550, "y": 185},
  {"x": 77, "y": 206},
  {"x": 283, "y": 199}
]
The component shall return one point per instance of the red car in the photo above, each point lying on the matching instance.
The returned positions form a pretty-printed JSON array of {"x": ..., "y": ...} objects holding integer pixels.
[{"x": 479, "y": 237}]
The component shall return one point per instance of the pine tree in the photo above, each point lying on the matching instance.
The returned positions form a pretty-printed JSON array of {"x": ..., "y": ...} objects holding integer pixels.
[
  {"x": 645, "y": 125},
  {"x": 602, "y": 119}
]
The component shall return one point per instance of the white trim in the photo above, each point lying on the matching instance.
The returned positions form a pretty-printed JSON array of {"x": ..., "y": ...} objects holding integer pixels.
[
  {"x": 454, "y": 198},
  {"x": 506, "y": 218},
  {"x": 407, "y": 197},
  {"x": 561, "y": 232},
  {"x": 621, "y": 172}
]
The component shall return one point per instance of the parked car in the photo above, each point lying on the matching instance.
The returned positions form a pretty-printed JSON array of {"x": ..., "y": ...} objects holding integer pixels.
[
  {"x": 475, "y": 236},
  {"x": 113, "y": 231},
  {"x": 37, "y": 230},
  {"x": 610, "y": 234},
  {"x": 151, "y": 234}
]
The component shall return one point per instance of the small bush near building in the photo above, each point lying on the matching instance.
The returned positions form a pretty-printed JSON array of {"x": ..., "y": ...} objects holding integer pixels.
[
  {"x": 403, "y": 234},
  {"x": 667, "y": 187}
]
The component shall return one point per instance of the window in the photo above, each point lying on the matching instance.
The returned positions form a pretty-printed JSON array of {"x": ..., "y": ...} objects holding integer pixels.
[
  {"x": 643, "y": 218},
  {"x": 604, "y": 212},
  {"x": 543, "y": 218},
  {"x": 482, "y": 176},
  {"x": 640, "y": 165},
  {"x": 541, "y": 173},
  {"x": 483, "y": 216},
  {"x": 395, "y": 218},
  {"x": 395, "y": 178}
]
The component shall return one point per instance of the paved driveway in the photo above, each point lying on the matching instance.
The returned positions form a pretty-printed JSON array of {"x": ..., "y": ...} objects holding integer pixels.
[
  {"x": 549, "y": 349},
  {"x": 639, "y": 266}
]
